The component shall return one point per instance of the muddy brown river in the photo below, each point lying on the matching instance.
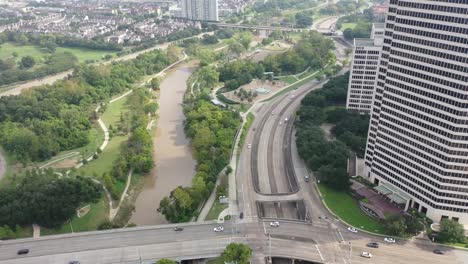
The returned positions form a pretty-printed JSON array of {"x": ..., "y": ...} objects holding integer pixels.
[{"x": 173, "y": 158}]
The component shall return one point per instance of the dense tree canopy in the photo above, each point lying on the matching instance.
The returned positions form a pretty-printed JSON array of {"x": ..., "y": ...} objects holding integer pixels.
[
  {"x": 312, "y": 50},
  {"x": 42, "y": 198},
  {"x": 237, "y": 253},
  {"x": 212, "y": 130},
  {"x": 451, "y": 231},
  {"x": 329, "y": 158},
  {"x": 39, "y": 123}
]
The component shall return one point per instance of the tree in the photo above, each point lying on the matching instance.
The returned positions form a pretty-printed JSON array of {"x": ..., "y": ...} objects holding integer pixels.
[
  {"x": 166, "y": 261},
  {"x": 237, "y": 253},
  {"x": 28, "y": 61},
  {"x": 451, "y": 231},
  {"x": 303, "y": 19},
  {"x": 208, "y": 76},
  {"x": 155, "y": 84},
  {"x": 403, "y": 225}
]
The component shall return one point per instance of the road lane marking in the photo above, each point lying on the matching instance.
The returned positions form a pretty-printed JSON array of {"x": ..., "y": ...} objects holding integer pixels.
[{"x": 320, "y": 253}]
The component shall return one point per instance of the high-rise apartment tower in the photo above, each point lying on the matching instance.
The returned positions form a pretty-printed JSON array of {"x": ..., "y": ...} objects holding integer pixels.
[
  {"x": 417, "y": 148},
  {"x": 203, "y": 10},
  {"x": 366, "y": 54}
]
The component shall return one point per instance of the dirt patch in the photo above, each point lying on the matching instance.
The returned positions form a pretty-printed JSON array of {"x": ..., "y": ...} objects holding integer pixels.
[
  {"x": 252, "y": 86},
  {"x": 64, "y": 164}
]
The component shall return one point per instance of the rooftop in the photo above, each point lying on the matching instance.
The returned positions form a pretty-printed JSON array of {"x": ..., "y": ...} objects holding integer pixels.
[{"x": 363, "y": 42}]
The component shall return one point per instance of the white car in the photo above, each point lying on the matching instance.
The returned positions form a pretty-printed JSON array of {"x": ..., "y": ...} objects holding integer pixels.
[
  {"x": 286, "y": 119},
  {"x": 273, "y": 112},
  {"x": 249, "y": 145},
  {"x": 274, "y": 224},
  {"x": 366, "y": 255},
  {"x": 352, "y": 229},
  {"x": 389, "y": 240},
  {"x": 218, "y": 229},
  {"x": 292, "y": 96}
]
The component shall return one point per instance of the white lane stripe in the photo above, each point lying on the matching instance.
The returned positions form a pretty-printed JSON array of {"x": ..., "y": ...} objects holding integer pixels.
[{"x": 320, "y": 253}]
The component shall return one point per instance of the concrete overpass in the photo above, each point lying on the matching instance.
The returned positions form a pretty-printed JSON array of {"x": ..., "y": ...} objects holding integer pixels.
[{"x": 266, "y": 28}]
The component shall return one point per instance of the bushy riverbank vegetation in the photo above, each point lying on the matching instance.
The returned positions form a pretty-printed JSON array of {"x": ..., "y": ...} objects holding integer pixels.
[
  {"x": 212, "y": 131},
  {"x": 329, "y": 158}
]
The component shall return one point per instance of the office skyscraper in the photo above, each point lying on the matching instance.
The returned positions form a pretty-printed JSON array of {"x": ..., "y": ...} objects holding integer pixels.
[
  {"x": 417, "y": 148},
  {"x": 366, "y": 53},
  {"x": 203, "y": 10}
]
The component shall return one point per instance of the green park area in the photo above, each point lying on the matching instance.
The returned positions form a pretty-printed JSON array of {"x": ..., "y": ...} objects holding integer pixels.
[
  {"x": 7, "y": 49},
  {"x": 96, "y": 215},
  {"x": 215, "y": 210},
  {"x": 345, "y": 26},
  {"x": 346, "y": 208}
]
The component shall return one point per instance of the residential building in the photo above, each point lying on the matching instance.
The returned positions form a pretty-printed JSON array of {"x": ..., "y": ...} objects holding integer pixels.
[
  {"x": 366, "y": 53},
  {"x": 417, "y": 147},
  {"x": 203, "y": 10}
]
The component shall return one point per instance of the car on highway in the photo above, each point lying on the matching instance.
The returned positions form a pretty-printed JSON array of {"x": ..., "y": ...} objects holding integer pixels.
[
  {"x": 218, "y": 229},
  {"x": 389, "y": 240},
  {"x": 438, "y": 252},
  {"x": 373, "y": 245},
  {"x": 366, "y": 255},
  {"x": 274, "y": 224},
  {"x": 249, "y": 145},
  {"x": 286, "y": 119},
  {"x": 272, "y": 112},
  {"x": 23, "y": 251},
  {"x": 280, "y": 123},
  {"x": 352, "y": 229},
  {"x": 178, "y": 228},
  {"x": 292, "y": 96}
]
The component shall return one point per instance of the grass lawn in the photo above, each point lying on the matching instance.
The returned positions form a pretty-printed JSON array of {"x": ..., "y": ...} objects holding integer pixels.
[
  {"x": 215, "y": 210},
  {"x": 288, "y": 79},
  {"x": 297, "y": 85},
  {"x": 347, "y": 25},
  {"x": 7, "y": 48},
  {"x": 90, "y": 221},
  {"x": 86, "y": 54},
  {"x": 106, "y": 158},
  {"x": 112, "y": 114},
  {"x": 248, "y": 123},
  {"x": 344, "y": 206}
]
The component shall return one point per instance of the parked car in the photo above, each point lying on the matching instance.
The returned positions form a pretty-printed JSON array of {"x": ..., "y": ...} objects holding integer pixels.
[
  {"x": 439, "y": 252},
  {"x": 366, "y": 255},
  {"x": 286, "y": 119},
  {"x": 307, "y": 178},
  {"x": 274, "y": 224},
  {"x": 389, "y": 240},
  {"x": 218, "y": 229},
  {"x": 23, "y": 251},
  {"x": 241, "y": 215},
  {"x": 74, "y": 262},
  {"x": 178, "y": 228},
  {"x": 373, "y": 245},
  {"x": 249, "y": 146},
  {"x": 352, "y": 229}
]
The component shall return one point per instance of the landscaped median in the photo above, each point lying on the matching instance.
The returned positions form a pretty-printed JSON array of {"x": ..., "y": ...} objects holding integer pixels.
[{"x": 347, "y": 210}]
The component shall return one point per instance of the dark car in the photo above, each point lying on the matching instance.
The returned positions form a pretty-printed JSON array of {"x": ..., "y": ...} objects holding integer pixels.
[
  {"x": 438, "y": 252},
  {"x": 373, "y": 245},
  {"x": 241, "y": 215},
  {"x": 74, "y": 262},
  {"x": 178, "y": 228},
  {"x": 23, "y": 251}
]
